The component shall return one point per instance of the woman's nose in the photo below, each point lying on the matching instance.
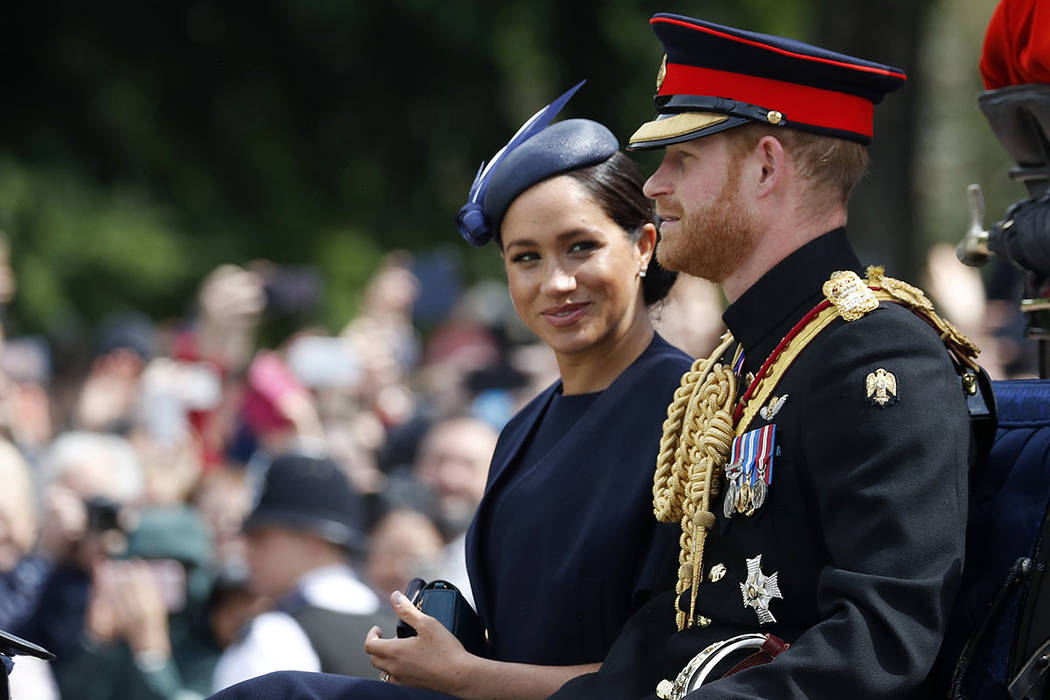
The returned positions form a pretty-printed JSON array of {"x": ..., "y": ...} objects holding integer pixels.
[{"x": 559, "y": 281}]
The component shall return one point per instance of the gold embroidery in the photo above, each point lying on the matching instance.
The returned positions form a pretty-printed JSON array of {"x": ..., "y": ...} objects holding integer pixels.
[{"x": 849, "y": 295}]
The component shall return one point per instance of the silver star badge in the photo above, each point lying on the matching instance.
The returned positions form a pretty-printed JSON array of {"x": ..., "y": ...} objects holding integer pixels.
[{"x": 758, "y": 590}]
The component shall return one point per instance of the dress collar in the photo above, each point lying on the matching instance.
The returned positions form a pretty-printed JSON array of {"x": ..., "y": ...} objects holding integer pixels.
[{"x": 763, "y": 314}]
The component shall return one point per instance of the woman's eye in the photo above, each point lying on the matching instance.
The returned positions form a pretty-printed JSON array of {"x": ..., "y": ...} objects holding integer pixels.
[
  {"x": 582, "y": 246},
  {"x": 525, "y": 257}
]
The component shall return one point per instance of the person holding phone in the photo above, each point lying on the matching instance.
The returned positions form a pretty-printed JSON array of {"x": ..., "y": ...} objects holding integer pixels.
[
  {"x": 145, "y": 635},
  {"x": 564, "y": 547}
]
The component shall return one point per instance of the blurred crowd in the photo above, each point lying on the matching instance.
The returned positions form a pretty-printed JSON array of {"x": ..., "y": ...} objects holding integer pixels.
[
  {"x": 206, "y": 491},
  {"x": 175, "y": 511}
]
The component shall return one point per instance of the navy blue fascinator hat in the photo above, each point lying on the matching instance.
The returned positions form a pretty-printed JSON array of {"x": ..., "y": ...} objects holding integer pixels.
[{"x": 536, "y": 152}]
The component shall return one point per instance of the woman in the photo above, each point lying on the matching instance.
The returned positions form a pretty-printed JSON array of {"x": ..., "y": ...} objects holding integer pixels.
[{"x": 564, "y": 546}]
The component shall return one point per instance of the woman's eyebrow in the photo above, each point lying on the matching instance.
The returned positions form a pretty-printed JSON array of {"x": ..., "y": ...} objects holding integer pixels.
[{"x": 565, "y": 235}]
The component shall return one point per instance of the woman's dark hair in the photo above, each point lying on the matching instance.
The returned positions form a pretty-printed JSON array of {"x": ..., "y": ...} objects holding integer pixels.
[{"x": 616, "y": 185}]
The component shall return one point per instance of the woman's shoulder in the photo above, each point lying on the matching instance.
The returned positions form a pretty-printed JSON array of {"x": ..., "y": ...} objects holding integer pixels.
[
  {"x": 528, "y": 412},
  {"x": 661, "y": 359}
]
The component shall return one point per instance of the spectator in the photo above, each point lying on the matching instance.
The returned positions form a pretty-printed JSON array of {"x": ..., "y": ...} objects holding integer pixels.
[
  {"x": 453, "y": 462},
  {"x": 404, "y": 544},
  {"x": 110, "y": 394},
  {"x": 223, "y": 500},
  {"x": 299, "y": 536},
  {"x": 146, "y": 636},
  {"x": 19, "y": 578},
  {"x": 89, "y": 479}
]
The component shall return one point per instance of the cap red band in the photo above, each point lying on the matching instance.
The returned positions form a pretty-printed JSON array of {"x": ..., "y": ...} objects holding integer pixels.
[{"x": 800, "y": 104}]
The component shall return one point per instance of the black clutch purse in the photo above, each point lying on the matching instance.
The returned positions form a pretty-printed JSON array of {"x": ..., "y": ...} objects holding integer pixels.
[{"x": 443, "y": 601}]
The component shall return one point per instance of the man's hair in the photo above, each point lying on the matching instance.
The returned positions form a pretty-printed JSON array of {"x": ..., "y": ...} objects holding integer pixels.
[{"x": 833, "y": 166}]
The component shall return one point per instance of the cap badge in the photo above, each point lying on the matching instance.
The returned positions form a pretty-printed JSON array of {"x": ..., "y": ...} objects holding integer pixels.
[
  {"x": 773, "y": 407},
  {"x": 774, "y": 117},
  {"x": 848, "y": 293},
  {"x": 881, "y": 387},
  {"x": 759, "y": 590},
  {"x": 750, "y": 471},
  {"x": 661, "y": 74}
]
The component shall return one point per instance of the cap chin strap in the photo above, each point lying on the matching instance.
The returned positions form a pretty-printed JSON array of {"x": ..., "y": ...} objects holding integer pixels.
[{"x": 673, "y": 104}]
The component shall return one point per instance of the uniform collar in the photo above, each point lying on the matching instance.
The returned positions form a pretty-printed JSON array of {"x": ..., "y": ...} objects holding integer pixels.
[{"x": 763, "y": 314}]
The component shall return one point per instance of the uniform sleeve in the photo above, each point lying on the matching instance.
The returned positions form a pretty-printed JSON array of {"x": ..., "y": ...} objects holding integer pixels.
[
  {"x": 274, "y": 643},
  {"x": 887, "y": 481}
]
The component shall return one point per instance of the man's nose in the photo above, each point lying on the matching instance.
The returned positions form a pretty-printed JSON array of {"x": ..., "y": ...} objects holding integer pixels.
[{"x": 657, "y": 184}]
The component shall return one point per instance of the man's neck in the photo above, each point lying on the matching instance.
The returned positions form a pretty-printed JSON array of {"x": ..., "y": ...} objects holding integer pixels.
[{"x": 779, "y": 238}]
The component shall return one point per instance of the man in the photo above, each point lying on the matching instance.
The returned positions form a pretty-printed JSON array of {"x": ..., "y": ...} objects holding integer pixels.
[
  {"x": 453, "y": 463},
  {"x": 299, "y": 537},
  {"x": 838, "y": 524}
]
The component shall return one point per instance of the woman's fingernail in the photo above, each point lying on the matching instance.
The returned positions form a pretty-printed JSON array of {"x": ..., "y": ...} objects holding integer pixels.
[{"x": 398, "y": 598}]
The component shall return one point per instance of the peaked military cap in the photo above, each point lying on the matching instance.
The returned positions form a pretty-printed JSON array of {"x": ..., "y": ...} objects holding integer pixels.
[
  {"x": 715, "y": 77},
  {"x": 538, "y": 151}
]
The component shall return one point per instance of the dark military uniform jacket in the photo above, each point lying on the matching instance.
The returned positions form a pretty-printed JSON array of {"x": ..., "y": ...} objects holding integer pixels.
[{"x": 864, "y": 518}]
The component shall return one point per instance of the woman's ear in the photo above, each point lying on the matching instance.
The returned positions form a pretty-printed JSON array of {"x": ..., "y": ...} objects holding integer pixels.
[{"x": 646, "y": 244}]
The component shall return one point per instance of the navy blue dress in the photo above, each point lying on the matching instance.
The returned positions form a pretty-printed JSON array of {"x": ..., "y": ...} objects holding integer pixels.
[{"x": 564, "y": 546}]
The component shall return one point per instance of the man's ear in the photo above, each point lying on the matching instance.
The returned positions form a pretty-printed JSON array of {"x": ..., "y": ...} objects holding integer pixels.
[{"x": 771, "y": 163}]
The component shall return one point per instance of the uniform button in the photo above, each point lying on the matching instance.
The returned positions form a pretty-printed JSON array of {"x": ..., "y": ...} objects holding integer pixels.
[{"x": 717, "y": 572}]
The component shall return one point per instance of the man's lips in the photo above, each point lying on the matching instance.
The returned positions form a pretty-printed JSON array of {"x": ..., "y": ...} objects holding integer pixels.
[
  {"x": 564, "y": 314},
  {"x": 665, "y": 219}
]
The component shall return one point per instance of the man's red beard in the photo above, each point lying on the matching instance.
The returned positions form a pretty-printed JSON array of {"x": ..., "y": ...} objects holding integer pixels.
[{"x": 713, "y": 241}]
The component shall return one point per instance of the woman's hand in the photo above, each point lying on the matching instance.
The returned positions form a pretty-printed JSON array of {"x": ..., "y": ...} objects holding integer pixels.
[{"x": 433, "y": 660}]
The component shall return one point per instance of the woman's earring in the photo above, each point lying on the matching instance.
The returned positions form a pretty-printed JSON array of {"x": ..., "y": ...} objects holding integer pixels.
[{"x": 643, "y": 270}]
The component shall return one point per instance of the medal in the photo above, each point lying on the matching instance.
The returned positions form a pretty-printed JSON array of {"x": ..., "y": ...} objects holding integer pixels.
[
  {"x": 733, "y": 472},
  {"x": 743, "y": 498},
  {"x": 750, "y": 471},
  {"x": 759, "y": 590}
]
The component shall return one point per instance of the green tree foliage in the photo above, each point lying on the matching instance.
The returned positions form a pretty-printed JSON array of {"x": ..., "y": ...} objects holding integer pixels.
[{"x": 145, "y": 142}]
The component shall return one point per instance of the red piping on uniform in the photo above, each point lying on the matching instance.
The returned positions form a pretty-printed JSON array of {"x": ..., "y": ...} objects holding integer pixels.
[
  {"x": 774, "y": 355},
  {"x": 800, "y": 104},
  {"x": 785, "y": 52}
]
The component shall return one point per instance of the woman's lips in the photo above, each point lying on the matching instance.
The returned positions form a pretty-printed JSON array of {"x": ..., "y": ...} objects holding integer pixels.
[{"x": 564, "y": 315}]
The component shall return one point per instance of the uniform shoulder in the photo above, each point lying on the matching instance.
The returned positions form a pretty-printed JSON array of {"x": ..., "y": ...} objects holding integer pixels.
[{"x": 888, "y": 327}]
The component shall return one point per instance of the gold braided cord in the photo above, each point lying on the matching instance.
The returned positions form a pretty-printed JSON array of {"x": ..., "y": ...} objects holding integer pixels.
[{"x": 698, "y": 434}]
